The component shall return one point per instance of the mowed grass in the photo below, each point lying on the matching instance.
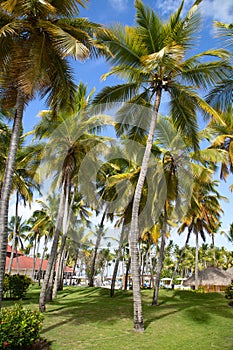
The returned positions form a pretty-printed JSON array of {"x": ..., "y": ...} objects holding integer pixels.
[{"x": 87, "y": 318}]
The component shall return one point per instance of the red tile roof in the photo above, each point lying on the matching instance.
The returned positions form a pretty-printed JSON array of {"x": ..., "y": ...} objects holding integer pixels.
[
  {"x": 26, "y": 263},
  {"x": 9, "y": 249}
]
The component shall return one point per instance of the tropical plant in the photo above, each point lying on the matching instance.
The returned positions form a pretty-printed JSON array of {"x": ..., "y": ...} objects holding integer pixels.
[
  {"x": 204, "y": 212},
  {"x": 72, "y": 139},
  {"x": 17, "y": 229},
  {"x": 36, "y": 39},
  {"x": 152, "y": 58}
]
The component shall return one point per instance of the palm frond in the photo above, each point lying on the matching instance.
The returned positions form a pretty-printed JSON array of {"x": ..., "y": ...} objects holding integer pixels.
[
  {"x": 183, "y": 112},
  {"x": 150, "y": 28},
  {"x": 124, "y": 44},
  {"x": 220, "y": 97},
  {"x": 111, "y": 95}
]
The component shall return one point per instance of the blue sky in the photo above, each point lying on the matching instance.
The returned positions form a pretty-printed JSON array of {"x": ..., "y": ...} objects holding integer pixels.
[{"x": 109, "y": 12}]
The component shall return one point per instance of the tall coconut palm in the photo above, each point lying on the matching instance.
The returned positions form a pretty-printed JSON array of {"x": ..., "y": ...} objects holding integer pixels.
[
  {"x": 64, "y": 153},
  {"x": 36, "y": 38},
  {"x": 152, "y": 58}
]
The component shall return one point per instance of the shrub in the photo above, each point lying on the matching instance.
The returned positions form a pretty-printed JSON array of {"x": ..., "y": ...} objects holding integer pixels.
[
  {"x": 19, "y": 327},
  {"x": 229, "y": 291},
  {"x": 15, "y": 286}
]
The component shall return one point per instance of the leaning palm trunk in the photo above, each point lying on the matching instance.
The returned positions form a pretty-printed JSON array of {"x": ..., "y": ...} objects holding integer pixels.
[
  {"x": 138, "y": 318},
  {"x": 35, "y": 250},
  {"x": 119, "y": 253},
  {"x": 75, "y": 262},
  {"x": 213, "y": 245},
  {"x": 127, "y": 274},
  {"x": 65, "y": 257},
  {"x": 15, "y": 232},
  {"x": 42, "y": 259},
  {"x": 60, "y": 260},
  {"x": 6, "y": 186},
  {"x": 160, "y": 260},
  {"x": 152, "y": 282},
  {"x": 53, "y": 253},
  {"x": 97, "y": 244},
  {"x": 196, "y": 263},
  {"x": 49, "y": 291}
]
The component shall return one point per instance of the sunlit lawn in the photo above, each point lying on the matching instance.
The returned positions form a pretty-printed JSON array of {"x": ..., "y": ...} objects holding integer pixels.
[{"x": 87, "y": 318}]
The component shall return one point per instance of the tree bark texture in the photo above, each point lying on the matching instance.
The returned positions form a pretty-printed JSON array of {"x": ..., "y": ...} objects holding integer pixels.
[
  {"x": 53, "y": 253},
  {"x": 134, "y": 231},
  {"x": 160, "y": 260}
]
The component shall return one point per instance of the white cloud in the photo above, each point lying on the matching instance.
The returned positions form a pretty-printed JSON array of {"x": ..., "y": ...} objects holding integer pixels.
[
  {"x": 215, "y": 9},
  {"x": 168, "y": 6},
  {"x": 218, "y": 10},
  {"x": 118, "y": 5}
]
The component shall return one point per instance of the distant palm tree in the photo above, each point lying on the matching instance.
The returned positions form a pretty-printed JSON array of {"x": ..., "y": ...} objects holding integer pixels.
[
  {"x": 204, "y": 211},
  {"x": 67, "y": 146},
  {"x": 17, "y": 229}
]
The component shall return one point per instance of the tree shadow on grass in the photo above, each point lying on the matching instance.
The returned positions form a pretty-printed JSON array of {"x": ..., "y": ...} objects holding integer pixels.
[
  {"x": 197, "y": 307},
  {"x": 94, "y": 305}
]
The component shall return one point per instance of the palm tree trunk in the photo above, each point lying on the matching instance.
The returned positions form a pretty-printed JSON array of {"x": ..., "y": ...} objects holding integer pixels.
[
  {"x": 119, "y": 253},
  {"x": 34, "y": 257},
  {"x": 213, "y": 245},
  {"x": 182, "y": 253},
  {"x": 66, "y": 223},
  {"x": 98, "y": 240},
  {"x": 6, "y": 186},
  {"x": 160, "y": 260},
  {"x": 48, "y": 296},
  {"x": 53, "y": 253},
  {"x": 15, "y": 232},
  {"x": 42, "y": 258},
  {"x": 152, "y": 282},
  {"x": 196, "y": 263},
  {"x": 134, "y": 232},
  {"x": 75, "y": 262},
  {"x": 127, "y": 274}
]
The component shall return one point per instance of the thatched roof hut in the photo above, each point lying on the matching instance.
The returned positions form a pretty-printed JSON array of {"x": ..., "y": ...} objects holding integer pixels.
[
  {"x": 230, "y": 272},
  {"x": 211, "y": 279}
]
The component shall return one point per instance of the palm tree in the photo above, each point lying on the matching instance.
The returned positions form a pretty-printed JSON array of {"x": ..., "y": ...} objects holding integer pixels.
[
  {"x": 81, "y": 215},
  {"x": 42, "y": 222},
  {"x": 152, "y": 58},
  {"x": 36, "y": 39},
  {"x": 17, "y": 228},
  {"x": 64, "y": 153},
  {"x": 99, "y": 235},
  {"x": 204, "y": 212}
]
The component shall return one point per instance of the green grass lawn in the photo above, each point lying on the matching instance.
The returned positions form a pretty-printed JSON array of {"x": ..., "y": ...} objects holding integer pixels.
[{"x": 87, "y": 318}]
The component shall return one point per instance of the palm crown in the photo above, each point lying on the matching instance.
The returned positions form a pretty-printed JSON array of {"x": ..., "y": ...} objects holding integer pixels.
[
  {"x": 153, "y": 56},
  {"x": 36, "y": 38}
]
